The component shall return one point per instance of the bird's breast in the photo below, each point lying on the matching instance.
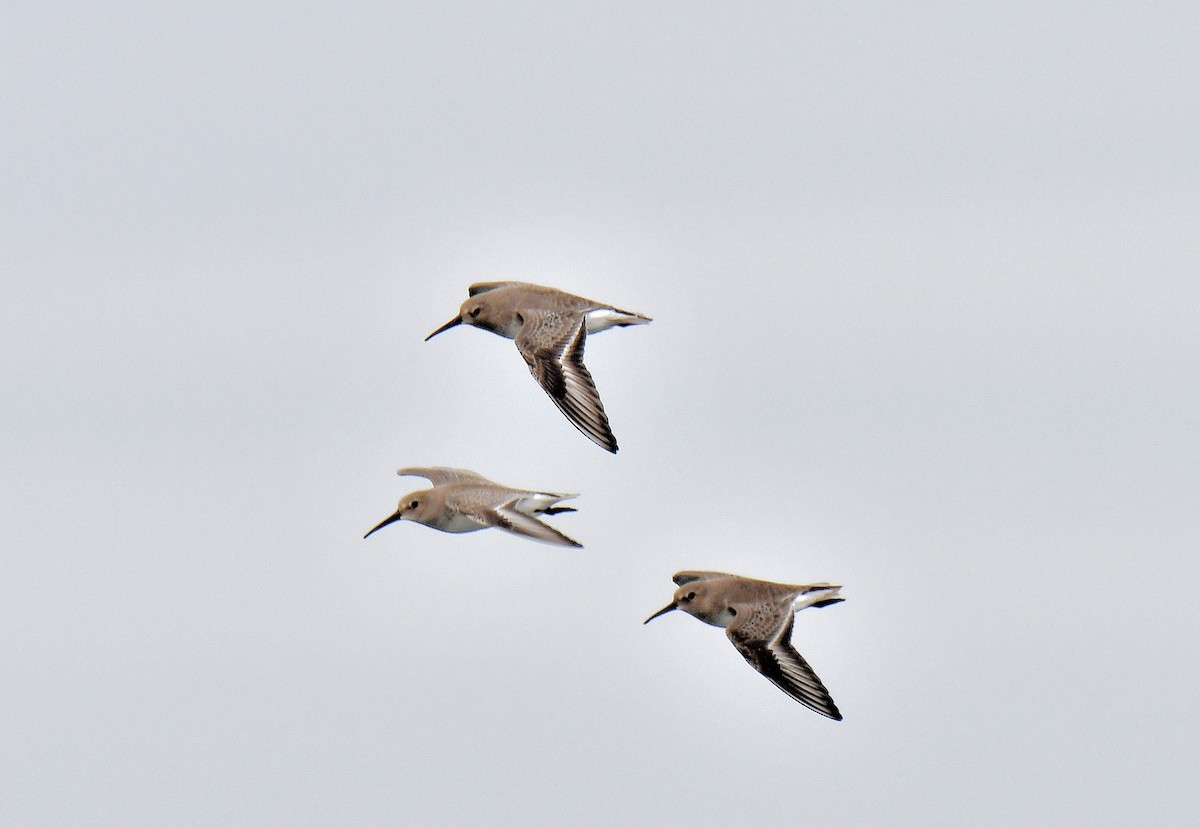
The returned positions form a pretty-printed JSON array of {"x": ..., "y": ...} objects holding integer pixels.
[
  {"x": 721, "y": 618},
  {"x": 508, "y": 325}
]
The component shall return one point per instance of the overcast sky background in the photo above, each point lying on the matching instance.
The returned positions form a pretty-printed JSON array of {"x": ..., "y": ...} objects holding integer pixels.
[{"x": 926, "y": 290}]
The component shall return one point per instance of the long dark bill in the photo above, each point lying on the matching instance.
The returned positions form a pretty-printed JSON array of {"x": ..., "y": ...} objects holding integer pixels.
[
  {"x": 457, "y": 320},
  {"x": 661, "y": 611},
  {"x": 388, "y": 521}
]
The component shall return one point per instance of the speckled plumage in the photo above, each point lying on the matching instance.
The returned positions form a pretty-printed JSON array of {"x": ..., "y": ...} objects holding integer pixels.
[
  {"x": 550, "y": 328},
  {"x": 462, "y": 501},
  {"x": 757, "y": 616}
]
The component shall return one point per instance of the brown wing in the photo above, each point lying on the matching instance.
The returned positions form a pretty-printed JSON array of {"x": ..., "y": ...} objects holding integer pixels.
[
  {"x": 774, "y": 656},
  {"x": 485, "y": 286},
  {"x": 683, "y": 577},
  {"x": 440, "y": 476},
  {"x": 508, "y": 518},
  {"x": 552, "y": 345}
]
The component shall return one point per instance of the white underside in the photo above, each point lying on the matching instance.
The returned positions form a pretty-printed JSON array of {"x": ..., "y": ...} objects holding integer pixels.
[{"x": 532, "y": 505}]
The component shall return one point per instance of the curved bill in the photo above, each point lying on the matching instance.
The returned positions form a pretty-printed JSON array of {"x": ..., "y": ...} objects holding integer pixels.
[
  {"x": 457, "y": 320},
  {"x": 388, "y": 521},
  {"x": 669, "y": 608}
]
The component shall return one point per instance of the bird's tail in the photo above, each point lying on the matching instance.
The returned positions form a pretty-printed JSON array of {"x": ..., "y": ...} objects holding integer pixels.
[
  {"x": 818, "y": 596},
  {"x": 543, "y": 502},
  {"x": 606, "y": 317}
]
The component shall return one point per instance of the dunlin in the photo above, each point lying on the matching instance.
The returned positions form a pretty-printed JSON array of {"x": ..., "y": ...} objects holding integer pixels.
[
  {"x": 757, "y": 616},
  {"x": 550, "y": 328},
  {"x": 465, "y": 501}
]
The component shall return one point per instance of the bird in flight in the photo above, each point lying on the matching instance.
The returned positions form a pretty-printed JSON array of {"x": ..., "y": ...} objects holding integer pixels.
[
  {"x": 550, "y": 328},
  {"x": 462, "y": 501},
  {"x": 757, "y": 616}
]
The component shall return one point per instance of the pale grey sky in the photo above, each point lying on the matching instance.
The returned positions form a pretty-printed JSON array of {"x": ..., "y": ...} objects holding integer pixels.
[{"x": 926, "y": 286}]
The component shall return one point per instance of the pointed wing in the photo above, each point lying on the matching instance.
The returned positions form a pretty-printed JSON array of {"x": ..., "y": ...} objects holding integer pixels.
[
  {"x": 440, "y": 476},
  {"x": 552, "y": 345},
  {"x": 776, "y": 658},
  {"x": 508, "y": 518},
  {"x": 684, "y": 577},
  {"x": 485, "y": 286}
]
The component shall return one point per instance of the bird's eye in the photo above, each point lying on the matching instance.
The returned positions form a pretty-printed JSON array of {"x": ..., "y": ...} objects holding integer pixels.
[
  {"x": 690, "y": 596},
  {"x": 474, "y": 312},
  {"x": 733, "y": 611},
  {"x": 414, "y": 504}
]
